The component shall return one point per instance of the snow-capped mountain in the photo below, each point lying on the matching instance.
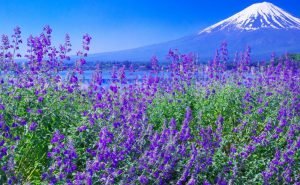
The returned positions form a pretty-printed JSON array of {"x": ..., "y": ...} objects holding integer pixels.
[
  {"x": 264, "y": 27},
  {"x": 257, "y": 16}
]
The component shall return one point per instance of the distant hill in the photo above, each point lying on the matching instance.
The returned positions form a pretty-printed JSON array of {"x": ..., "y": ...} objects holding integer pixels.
[{"x": 264, "y": 27}]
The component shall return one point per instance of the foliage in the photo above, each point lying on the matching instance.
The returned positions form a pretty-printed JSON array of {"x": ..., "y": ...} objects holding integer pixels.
[{"x": 189, "y": 124}]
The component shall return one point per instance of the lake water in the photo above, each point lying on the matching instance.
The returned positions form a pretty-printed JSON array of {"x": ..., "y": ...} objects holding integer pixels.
[{"x": 107, "y": 75}]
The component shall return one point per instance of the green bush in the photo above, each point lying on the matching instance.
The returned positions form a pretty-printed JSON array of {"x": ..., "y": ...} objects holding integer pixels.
[
  {"x": 238, "y": 112},
  {"x": 56, "y": 110}
]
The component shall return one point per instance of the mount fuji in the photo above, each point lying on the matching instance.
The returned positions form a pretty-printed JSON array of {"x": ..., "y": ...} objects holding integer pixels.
[
  {"x": 264, "y": 27},
  {"x": 257, "y": 16}
]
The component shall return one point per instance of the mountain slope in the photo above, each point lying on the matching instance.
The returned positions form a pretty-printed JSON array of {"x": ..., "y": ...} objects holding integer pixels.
[
  {"x": 264, "y": 27},
  {"x": 257, "y": 16}
]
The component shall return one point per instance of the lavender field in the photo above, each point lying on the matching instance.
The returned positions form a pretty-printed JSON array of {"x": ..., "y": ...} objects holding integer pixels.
[{"x": 198, "y": 124}]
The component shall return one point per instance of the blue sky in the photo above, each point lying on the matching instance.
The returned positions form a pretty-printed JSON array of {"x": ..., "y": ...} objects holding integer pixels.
[{"x": 121, "y": 24}]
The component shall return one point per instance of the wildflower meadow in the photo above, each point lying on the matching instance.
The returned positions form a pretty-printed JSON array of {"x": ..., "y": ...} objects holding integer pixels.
[{"x": 225, "y": 122}]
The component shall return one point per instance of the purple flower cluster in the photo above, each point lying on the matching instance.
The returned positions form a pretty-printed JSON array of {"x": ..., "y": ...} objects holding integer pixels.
[
  {"x": 102, "y": 133},
  {"x": 63, "y": 154}
]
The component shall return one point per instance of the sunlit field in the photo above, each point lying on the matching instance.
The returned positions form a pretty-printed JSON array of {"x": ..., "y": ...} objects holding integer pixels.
[{"x": 182, "y": 124}]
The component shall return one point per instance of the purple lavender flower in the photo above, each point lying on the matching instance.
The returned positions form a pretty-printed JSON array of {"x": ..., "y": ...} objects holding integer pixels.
[
  {"x": 192, "y": 181},
  {"x": 47, "y": 29},
  {"x": 2, "y": 107},
  {"x": 57, "y": 137},
  {"x": 82, "y": 128},
  {"x": 260, "y": 110},
  {"x": 154, "y": 64},
  {"x": 33, "y": 126},
  {"x": 206, "y": 183},
  {"x": 40, "y": 99},
  {"x": 143, "y": 179},
  {"x": 5, "y": 42},
  {"x": 185, "y": 133},
  {"x": 73, "y": 79},
  {"x": 39, "y": 111}
]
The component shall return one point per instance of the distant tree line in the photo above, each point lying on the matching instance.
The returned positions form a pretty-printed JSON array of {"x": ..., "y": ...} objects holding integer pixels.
[{"x": 294, "y": 56}]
